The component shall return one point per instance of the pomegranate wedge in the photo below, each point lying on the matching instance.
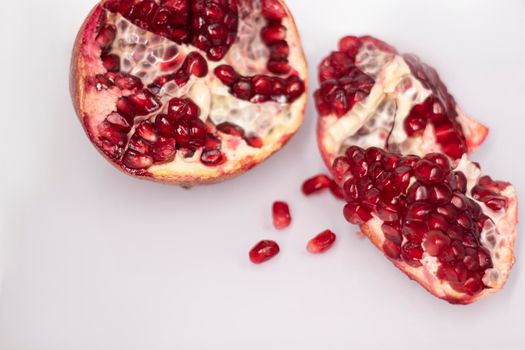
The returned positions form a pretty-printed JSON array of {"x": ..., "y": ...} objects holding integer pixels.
[
  {"x": 372, "y": 96},
  {"x": 442, "y": 223},
  {"x": 189, "y": 92}
]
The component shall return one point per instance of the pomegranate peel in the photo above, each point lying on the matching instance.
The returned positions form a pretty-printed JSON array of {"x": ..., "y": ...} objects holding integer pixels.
[{"x": 182, "y": 67}]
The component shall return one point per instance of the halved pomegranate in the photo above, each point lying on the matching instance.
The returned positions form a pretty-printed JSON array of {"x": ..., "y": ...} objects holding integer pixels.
[
  {"x": 189, "y": 91},
  {"x": 440, "y": 222},
  {"x": 372, "y": 96}
]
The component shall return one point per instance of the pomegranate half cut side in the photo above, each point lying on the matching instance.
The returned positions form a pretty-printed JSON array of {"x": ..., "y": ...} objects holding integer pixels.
[
  {"x": 372, "y": 96},
  {"x": 189, "y": 92},
  {"x": 440, "y": 222}
]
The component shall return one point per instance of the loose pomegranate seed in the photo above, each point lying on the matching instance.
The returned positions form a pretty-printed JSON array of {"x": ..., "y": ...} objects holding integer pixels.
[
  {"x": 322, "y": 242},
  {"x": 263, "y": 251},
  {"x": 281, "y": 215},
  {"x": 316, "y": 184}
]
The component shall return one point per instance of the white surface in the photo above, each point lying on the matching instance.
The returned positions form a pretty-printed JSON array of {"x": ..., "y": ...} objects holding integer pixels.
[{"x": 96, "y": 260}]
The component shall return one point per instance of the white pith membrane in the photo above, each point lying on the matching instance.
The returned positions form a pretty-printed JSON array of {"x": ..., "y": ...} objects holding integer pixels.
[
  {"x": 144, "y": 54},
  {"x": 380, "y": 117},
  {"x": 497, "y": 237}
]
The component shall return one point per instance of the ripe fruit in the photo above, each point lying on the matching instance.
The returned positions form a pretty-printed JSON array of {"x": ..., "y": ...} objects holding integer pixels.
[
  {"x": 263, "y": 251},
  {"x": 169, "y": 91},
  {"x": 371, "y": 95},
  {"x": 322, "y": 242},
  {"x": 457, "y": 242},
  {"x": 281, "y": 215}
]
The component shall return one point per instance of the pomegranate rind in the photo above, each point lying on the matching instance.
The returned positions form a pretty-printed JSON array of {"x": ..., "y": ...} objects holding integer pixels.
[
  {"x": 506, "y": 226},
  {"x": 84, "y": 63}
]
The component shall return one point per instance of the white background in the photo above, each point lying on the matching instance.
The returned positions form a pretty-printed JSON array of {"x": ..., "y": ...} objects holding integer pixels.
[{"x": 95, "y": 260}]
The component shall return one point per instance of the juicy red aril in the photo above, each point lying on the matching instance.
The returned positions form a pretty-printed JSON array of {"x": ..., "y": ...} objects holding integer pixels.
[
  {"x": 435, "y": 242},
  {"x": 106, "y": 36},
  {"x": 272, "y": 10},
  {"x": 111, "y": 63},
  {"x": 196, "y": 65},
  {"x": 263, "y": 251},
  {"x": 164, "y": 151},
  {"x": 134, "y": 160},
  {"x": 226, "y": 74},
  {"x": 392, "y": 232},
  {"x": 412, "y": 253},
  {"x": 356, "y": 214},
  {"x": 281, "y": 215},
  {"x": 316, "y": 184},
  {"x": 273, "y": 33},
  {"x": 391, "y": 249},
  {"x": 322, "y": 242},
  {"x": 428, "y": 172}
]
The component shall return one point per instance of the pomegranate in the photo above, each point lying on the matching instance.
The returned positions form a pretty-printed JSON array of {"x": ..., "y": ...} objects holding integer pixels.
[
  {"x": 188, "y": 91},
  {"x": 439, "y": 221},
  {"x": 372, "y": 96}
]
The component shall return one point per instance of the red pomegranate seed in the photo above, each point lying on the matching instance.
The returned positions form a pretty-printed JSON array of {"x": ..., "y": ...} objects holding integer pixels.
[
  {"x": 106, "y": 36},
  {"x": 263, "y": 251},
  {"x": 137, "y": 161},
  {"x": 281, "y": 215},
  {"x": 272, "y": 10},
  {"x": 147, "y": 131},
  {"x": 164, "y": 151},
  {"x": 316, "y": 184},
  {"x": 109, "y": 132},
  {"x": 356, "y": 213},
  {"x": 279, "y": 66},
  {"x": 164, "y": 126},
  {"x": 279, "y": 50},
  {"x": 128, "y": 81},
  {"x": 144, "y": 102},
  {"x": 428, "y": 172},
  {"x": 111, "y": 63},
  {"x": 322, "y": 242},
  {"x": 273, "y": 34},
  {"x": 196, "y": 65},
  {"x": 226, "y": 74},
  {"x": 435, "y": 242},
  {"x": 412, "y": 254},
  {"x": 243, "y": 89},
  {"x": 120, "y": 122},
  {"x": 391, "y": 249},
  {"x": 350, "y": 44}
]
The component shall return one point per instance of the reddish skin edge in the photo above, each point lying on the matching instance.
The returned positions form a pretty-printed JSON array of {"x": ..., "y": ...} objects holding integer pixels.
[{"x": 76, "y": 81}]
